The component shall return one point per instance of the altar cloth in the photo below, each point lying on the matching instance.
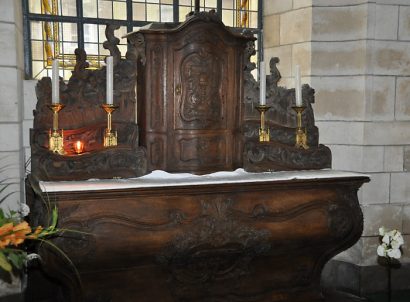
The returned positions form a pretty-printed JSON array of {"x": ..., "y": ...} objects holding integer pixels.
[{"x": 159, "y": 178}]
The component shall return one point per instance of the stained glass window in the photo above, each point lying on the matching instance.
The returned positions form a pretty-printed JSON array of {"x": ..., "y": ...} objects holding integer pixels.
[{"x": 55, "y": 28}]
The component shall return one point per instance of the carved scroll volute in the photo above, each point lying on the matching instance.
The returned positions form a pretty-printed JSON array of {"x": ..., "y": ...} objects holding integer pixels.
[{"x": 112, "y": 42}]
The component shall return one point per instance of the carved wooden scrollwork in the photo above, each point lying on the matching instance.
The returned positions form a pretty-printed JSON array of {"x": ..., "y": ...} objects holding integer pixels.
[
  {"x": 217, "y": 247},
  {"x": 280, "y": 153},
  {"x": 83, "y": 119},
  {"x": 112, "y": 42}
]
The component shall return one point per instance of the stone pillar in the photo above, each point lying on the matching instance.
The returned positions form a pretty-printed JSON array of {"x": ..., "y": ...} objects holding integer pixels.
[
  {"x": 356, "y": 55},
  {"x": 11, "y": 100},
  {"x": 12, "y": 169}
]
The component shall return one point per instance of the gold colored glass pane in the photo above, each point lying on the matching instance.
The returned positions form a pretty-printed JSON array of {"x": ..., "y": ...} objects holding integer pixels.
[
  {"x": 120, "y": 10},
  {"x": 185, "y": 2},
  {"x": 167, "y": 13},
  {"x": 210, "y": 3},
  {"x": 38, "y": 69},
  {"x": 253, "y": 5},
  {"x": 103, "y": 51},
  {"x": 90, "y": 8},
  {"x": 34, "y": 6},
  {"x": 101, "y": 33},
  {"x": 91, "y": 48},
  {"x": 228, "y": 17},
  {"x": 253, "y": 19},
  {"x": 138, "y": 11},
  {"x": 152, "y": 12},
  {"x": 37, "y": 50},
  {"x": 121, "y": 32},
  {"x": 68, "y": 48},
  {"x": 67, "y": 7},
  {"x": 167, "y": 2},
  {"x": 123, "y": 49},
  {"x": 183, "y": 12},
  {"x": 68, "y": 32},
  {"x": 90, "y": 33},
  {"x": 228, "y": 4},
  {"x": 36, "y": 30},
  {"x": 104, "y": 9}
]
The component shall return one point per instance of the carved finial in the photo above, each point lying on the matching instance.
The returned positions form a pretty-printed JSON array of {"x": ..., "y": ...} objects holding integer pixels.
[
  {"x": 81, "y": 63},
  {"x": 137, "y": 49},
  {"x": 275, "y": 75},
  {"x": 112, "y": 42},
  {"x": 249, "y": 52}
]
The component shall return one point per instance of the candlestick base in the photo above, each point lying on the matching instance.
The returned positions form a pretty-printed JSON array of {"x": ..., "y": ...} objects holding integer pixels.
[
  {"x": 56, "y": 139},
  {"x": 264, "y": 135},
  {"x": 110, "y": 137},
  {"x": 56, "y": 142},
  {"x": 301, "y": 134}
]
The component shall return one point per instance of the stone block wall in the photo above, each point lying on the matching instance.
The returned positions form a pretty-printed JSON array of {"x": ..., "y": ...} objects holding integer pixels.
[{"x": 356, "y": 55}]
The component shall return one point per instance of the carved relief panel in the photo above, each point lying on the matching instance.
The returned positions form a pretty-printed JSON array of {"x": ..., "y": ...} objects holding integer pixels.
[{"x": 200, "y": 86}]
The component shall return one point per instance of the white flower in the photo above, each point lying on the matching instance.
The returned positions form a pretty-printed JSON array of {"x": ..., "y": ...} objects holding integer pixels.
[
  {"x": 24, "y": 209},
  {"x": 391, "y": 241},
  {"x": 394, "y": 253},
  {"x": 398, "y": 237},
  {"x": 381, "y": 250},
  {"x": 386, "y": 239},
  {"x": 395, "y": 244}
]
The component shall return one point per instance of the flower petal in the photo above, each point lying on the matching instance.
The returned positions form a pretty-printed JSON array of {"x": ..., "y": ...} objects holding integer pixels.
[
  {"x": 394, "y": 253},
  {"x": 386, "y": 239},
  {"x": 381, "y": 251}
]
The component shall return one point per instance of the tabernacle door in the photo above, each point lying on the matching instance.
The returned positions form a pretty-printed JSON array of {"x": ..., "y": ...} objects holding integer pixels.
[
  {"x": 190, "y": 96},
  {"x": 205, "y": 101}
]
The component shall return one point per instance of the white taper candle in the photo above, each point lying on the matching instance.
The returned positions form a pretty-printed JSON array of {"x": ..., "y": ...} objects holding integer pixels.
[
  {"x": 110, "y": 82},
  {"x": 298, "y": 87},
  {"x": 55, "y": 84},
  {"x": 262, "y": 85}
]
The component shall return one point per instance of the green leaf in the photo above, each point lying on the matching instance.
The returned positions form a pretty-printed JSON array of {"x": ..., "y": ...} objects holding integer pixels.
[
  {"x": 4, "y": 264},
  {"x": 54, "y": 217},
  {"x": 17, "y": 259}
]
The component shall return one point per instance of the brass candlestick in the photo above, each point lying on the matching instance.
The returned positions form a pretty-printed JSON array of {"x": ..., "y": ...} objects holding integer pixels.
[
  {"x": 301, "y": 135},
  {"x": 263, "y": 131},
  {"x": 110, "y": 137},
  {"x": 56, "y": 137}
]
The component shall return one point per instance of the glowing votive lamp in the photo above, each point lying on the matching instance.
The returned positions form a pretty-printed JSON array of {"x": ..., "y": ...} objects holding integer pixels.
[{"x": 78, "y": 147}]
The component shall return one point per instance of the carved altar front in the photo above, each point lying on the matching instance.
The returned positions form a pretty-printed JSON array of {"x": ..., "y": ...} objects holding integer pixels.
[{"x": 265, "y": 237}]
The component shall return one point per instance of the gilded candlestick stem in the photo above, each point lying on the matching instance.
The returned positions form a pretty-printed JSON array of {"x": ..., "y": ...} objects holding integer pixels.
[
  {"x": 301, "y": 135},
  {"x": 56, "y": 137},
  {"x": 110, "y": 137},
  {"x": 264, "y": 135}
]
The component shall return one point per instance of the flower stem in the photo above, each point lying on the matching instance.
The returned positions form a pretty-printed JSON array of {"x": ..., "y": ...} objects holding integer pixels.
[{"x": 388, "y": 279}]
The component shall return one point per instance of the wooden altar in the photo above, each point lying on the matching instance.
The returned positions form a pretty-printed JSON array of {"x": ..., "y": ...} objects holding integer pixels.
[
  {"x": 263, "y": 237},
  {"x": 233, "y": 236}
]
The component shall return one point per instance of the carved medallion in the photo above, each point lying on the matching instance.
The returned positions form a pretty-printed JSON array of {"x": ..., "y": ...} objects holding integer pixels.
[{"x": 217, "y": 247}]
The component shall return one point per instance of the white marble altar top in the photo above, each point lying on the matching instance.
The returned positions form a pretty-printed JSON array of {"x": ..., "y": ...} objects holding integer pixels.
[{"x": 163, "y": 179}]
